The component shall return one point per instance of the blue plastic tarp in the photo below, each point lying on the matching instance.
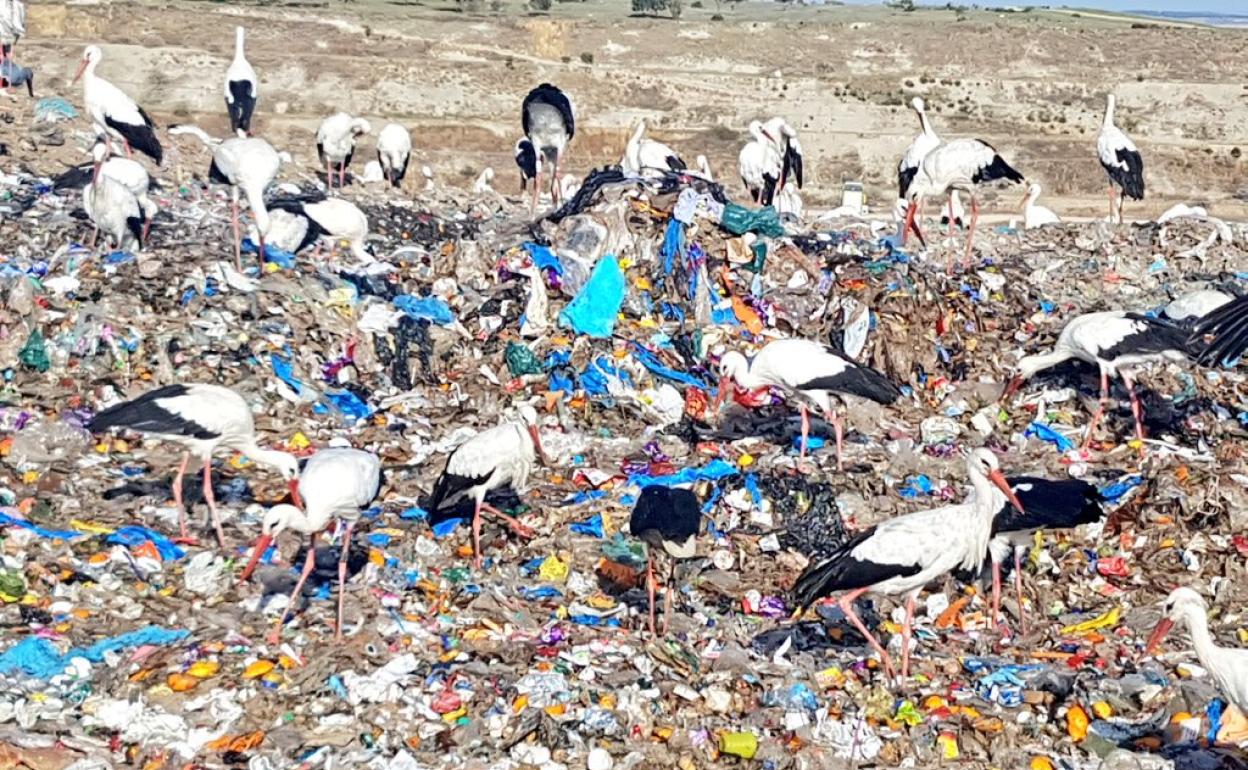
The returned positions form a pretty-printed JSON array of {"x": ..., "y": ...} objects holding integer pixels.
[
  {"x": 712, "y": 471},
  {"x": 593, "y": 310},
  {"x": 543, "y": 258},
  {"x": 427, "y": 308},
  {"x": 40, "y": 658},
  {"x": 651, "y": 362},
  {"x": 135, "y": 535},
  {"x": 53, "y": 534}
]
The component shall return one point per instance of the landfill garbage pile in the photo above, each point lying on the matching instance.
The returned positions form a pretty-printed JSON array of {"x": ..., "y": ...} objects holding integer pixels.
[{"x": 128, "y": 646}]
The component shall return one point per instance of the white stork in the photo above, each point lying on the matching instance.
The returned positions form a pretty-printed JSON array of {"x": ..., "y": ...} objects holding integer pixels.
[
  {"x": 335, "y": 144},
  {"x": 12, "y": 26},
  {"x": 297, "y": 225},
  {"x": 646, "y": 157},
  {"x": 527, "y": 160},
  {"x": 114, "y": 114},
  {"x": 116, "y": 211},
  {"x": 902, "y": 555},
  {"x": 962, "y": 165},
  {"x": 490, "y": 460},
  {"x": 1047, "y": 504},
  {"x": 249, "y": 164},
  {"x": 201, "y": 418},
  {"x": 925, "y": 142},
  {"x": 129, "y": 173},
  {"x": 667, "y": 519},
  {"x": 1121, "y": 160},
  {"x": 808, "y": 372},
  {"x": 1117, "y": 342},
  {"x": 704, "y": 168},
  {"x": 1227, "y": 665},
  {"x": 334, "y": 483},
  {"x": 549, "y": 123},
  {"x": 242, "y": 87},
  {"x": 394, "y": 149},
  {"x": 760, "y": 164},
  {"x": 1035, "y": 215},
  {"x": 789, "y": 148}
]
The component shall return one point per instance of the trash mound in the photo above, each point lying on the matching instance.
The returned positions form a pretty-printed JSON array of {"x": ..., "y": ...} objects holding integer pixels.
[{"x": 129, "y": 647}]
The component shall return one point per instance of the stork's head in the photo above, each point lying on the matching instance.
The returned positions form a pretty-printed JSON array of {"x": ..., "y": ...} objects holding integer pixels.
[
  {"x": 759, "y": 131},
  {"x": 276, "y": 520},
  {"x": 732, "y": 367},
  {"x": 1033, "y": 192},
  {"x": 90, "y": 56},
  {"x": 528, "y": 415},
  {"x": 286, "y": 464},
  {"x": 984, "y": 463},
  {"x": 918, "y": 104},
  {"x": 1182, "y": 603},
  {"x": 99, "y": 151},
  {"x": 360, "y": 126}
]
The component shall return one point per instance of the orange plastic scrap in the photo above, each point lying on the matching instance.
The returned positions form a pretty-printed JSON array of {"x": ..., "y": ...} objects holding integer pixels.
[
  {"x": 952, "y": 613},
  {"x": 237, "y": 743},
  {"x": 746, "y": 315}
]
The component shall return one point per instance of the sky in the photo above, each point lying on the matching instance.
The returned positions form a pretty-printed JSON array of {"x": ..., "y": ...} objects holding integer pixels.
[{"x": 1191, "y": 6}]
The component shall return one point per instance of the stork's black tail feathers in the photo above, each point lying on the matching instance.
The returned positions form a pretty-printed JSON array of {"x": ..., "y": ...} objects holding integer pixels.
[
  {"x": 865, "y": 382},
  {"x": 998, "y": 169}
]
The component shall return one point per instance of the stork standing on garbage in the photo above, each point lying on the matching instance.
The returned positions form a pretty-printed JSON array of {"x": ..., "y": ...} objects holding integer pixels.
[
  {"x": 335, "y": 483},
  {"x": 242, "y": 88},
  {"x": 1227, "y": 665},
  {"x": 810, "y": 373},
  {"x": 490, "y": 460},
  {"x": 902, "y": 555},
  {"x": 549, "y": 123},
  {"x": 202, "y": 418},
  {"x": 115, "y": 115}
]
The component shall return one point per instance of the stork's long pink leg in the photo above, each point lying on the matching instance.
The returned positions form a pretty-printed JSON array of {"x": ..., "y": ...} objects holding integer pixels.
[
  {"x": 537, "y": 191},
  {"x": 650, "y": 592},
  {"x": 1100, "y": 410},
  {"x": 907, "y": 628},
  {"x": 667, "y": 598},
  {"x": 846, "y": 603},
  {"x": 342, "y": 174},
  {"x": 308, "y": 564},
  {"x": 177, "y": 494},
  {"x": 476, "y": 536},
  {"x": 1137, "y": 409},
  {"x": 512, "y": 522},
  {"x": 970, "y": 236},
  {"x": 1113, "y": 214},
  {"x": 212, "y": 503},
  {"x": 1018, "y": 587},
  {"x": 805, "y": 429},
  {"x": 342, "y": 578},
  {"x": 329, "y": 176},
  {"x": 555, "y": 197},
  {"x": 839, "y": 428},
  {"x": 238, "y": 235},
  {"x": 996, "y": 593}
]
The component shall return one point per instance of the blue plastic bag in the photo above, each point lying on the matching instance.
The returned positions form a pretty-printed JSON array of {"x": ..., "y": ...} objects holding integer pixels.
[
  {"x": 543, "y": 258},
  {"x": 593, "y": 310},
  {"x": 1045, "y": 433},
  {"x": 427, "y": 308}
]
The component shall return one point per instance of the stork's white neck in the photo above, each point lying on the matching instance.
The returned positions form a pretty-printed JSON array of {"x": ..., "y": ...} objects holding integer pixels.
[
  {"x": 1032, "y": 195},
  {"x": 1202, "y": 640},
  {"x": 256, "y": 453},
  {"x": 924, "y": 125},
  {"x": 1029, "y": 365},
  {"x": 239, "y": 35},
  {"x": 1109, "y": 111}
]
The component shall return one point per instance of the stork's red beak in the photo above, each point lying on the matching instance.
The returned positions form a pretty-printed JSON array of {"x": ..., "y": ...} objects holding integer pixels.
[
  {"x": 1016, "y": 382},
  {"x": 998, "y": 478},
  {"x": 537, "y": 444},
  {"x": 1154, "y": 639},
  {"x": 257, "y": 552},
  {"x": 726, "y": 386},
  {"x": 82, "y": 66},
  {"x": 912, "y": 224},
  {"x": 293, "y": 486}
]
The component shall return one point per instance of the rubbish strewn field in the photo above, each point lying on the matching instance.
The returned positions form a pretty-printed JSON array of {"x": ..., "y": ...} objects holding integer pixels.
[{"x": 125, "y": 648}]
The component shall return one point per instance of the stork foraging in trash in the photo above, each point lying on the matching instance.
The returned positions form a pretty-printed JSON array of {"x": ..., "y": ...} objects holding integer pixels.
[
  {"x": 490, "y": 460},
  {"x": 789, "y": 149},
  {"x": 902, "y": 555},
  {"x": 1118, "y": 343},
  {"x": 1121, "y": 160},
  {"x": 202, "y": 418},
  {"x": 527, "y": 161},
  {"x": 549, "y": 123},
  {"x": 810, "y": 373},
  {"x": 644, "y": 156},
  {"x": 760, "y": 165},
  {"x": 1227, "y": 665},
  {"x": 394, "y": 150},
  {"x": 115, "y": 210},
  {"x": 335, "y": 483},
  {"x": 960, "y": 165},
  {"x": 665, "y": 518}
]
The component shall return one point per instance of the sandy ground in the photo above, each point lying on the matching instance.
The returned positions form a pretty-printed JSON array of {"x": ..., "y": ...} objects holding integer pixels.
[{"x": 1030, "y": 83}]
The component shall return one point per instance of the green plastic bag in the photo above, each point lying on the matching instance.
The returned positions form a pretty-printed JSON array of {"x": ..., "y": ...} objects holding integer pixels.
[
  {"x": 739, "y": 220},
  {"x": 520, "y": 360},
  {"x": 34, "y": 354}
]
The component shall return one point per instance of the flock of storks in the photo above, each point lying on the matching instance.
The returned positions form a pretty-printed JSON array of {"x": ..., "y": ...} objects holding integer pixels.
[{"x": 898, "y": 557}]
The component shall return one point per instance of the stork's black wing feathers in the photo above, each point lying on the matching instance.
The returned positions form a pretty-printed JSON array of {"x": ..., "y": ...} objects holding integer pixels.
[
  {"x": 675, "y": 163},
  {"x": 1049, "y": 504},
  {"x": 450, "y": 484},
  {"x": 526, "y": 159},
  {"x": 769, "y": 189},
  {"x": 842, "y": 572},
  {"x": 240, "y": 105},
  {"x": 146, "y": 415},
  {"x": 140, "y": 138},
  {"x": 861, "y": 381},
  {"x": 997, "y": 169},
  {"x": 904, "y": 177},
  {"x": 1157, "y": 336},
  {"x": 74, "y": 177},
  {"x": 674, "y": 513},
  {"x": 792, "y": 164},
  {"x": 1130, "y": 179},
  {"x": 216, "y": 175}
]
